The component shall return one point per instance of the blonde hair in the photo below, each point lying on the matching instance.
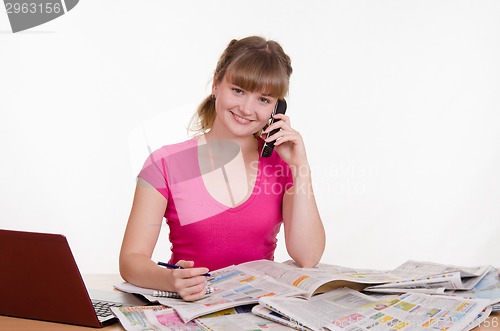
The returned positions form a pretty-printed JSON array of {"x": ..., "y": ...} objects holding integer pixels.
[{"x": 252, "y": 63}]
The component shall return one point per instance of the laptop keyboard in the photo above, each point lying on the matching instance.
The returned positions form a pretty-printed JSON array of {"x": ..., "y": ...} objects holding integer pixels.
[{"x": 103, "y": 308}]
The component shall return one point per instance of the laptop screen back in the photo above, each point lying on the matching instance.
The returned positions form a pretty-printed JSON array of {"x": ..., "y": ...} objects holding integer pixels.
[{"x": 39, "y": 279}]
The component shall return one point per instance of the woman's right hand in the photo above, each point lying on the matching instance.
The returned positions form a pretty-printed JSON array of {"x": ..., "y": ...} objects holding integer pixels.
[{"x": 189, "y": 282}]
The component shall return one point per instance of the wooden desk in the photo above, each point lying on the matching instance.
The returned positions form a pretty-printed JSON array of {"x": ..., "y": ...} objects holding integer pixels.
[
  {"x": 492, "y": 323},
  {"x": 105, "y": 282}
]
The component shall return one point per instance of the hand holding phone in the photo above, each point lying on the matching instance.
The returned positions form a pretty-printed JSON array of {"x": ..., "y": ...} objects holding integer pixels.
[{"x": 280, "y": 108}]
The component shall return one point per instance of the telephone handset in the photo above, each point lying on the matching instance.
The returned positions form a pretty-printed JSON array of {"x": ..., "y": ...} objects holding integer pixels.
[{"x": 268, "y": 147}]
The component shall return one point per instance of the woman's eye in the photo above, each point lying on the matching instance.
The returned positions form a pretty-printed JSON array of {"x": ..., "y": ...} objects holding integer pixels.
[
  {"x": 265, "y": 100},
  {"x": 237, "y": 90}
]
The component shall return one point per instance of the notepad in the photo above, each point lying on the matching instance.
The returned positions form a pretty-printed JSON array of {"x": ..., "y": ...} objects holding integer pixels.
[{"x": 129, "y": 288}]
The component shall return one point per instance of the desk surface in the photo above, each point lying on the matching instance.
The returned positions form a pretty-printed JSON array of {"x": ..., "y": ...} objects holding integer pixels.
[{"x": 105, "y": 282}]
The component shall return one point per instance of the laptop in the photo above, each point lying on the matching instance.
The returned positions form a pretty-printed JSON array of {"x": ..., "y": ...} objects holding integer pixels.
[{"x": 39, "y": 279}]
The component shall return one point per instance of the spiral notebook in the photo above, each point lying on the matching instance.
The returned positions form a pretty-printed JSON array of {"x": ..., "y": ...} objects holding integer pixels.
[{"x": 129, "y": 288}]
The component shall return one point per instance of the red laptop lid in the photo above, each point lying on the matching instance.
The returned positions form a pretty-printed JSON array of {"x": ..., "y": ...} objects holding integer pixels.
[{"x": 39, "y": 279}]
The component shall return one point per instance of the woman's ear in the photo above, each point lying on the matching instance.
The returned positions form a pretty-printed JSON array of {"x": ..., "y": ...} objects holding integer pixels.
[{"x": 214, "y": 84}]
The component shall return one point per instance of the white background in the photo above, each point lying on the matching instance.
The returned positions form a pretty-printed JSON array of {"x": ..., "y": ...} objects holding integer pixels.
[{"x": 398, "y": 102}]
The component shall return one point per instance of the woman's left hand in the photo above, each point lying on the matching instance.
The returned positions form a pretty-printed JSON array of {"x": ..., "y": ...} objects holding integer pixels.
[
  {"x": 303, "y": 229},
  {"x": 289, "y": 144}
]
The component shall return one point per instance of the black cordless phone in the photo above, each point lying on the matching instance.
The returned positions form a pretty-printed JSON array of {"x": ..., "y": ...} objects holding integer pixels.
[{"x": 280, "y": 108}]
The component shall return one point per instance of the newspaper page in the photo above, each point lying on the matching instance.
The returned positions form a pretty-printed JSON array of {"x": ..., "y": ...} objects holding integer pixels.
[
  {"x": 411, "y": 275},
  {"x": 232, "y": 286},
  {"x": 487, "y": 288},
  {"x": 149, "y": 318},
  {"x": 316, "y": 280},
  {"x": 368, "y": 276},
  {"x": 417, "y": 269},
  {"x": 349, "y": 310},
  {"x": 247, "y": 321},
  {"x": 480, "y": 320},
  {"x": 319, "y": 309},
  {"x": 432, "y": 278},
  {"x": 269, "y": 314},
  {"x": 437, "y": 284}
]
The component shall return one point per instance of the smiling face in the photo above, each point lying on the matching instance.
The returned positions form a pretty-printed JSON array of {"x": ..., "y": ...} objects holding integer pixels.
[
  {"x": 241, "y": 112},
  {"x": 251, "y": 74}
]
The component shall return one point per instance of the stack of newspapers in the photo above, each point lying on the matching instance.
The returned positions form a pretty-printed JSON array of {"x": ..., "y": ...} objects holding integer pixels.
[{"x": 267, "y": 295}]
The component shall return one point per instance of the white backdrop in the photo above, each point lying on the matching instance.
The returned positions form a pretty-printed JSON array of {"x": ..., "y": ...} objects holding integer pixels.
[{"x": 398, "y": 102}]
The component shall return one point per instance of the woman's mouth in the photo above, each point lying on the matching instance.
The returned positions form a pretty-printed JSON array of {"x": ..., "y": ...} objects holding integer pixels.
[{"x": 240, "y": 119}]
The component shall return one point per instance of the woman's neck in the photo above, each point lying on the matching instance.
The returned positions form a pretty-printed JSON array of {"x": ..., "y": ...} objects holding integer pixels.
[{"x": 248, "y": 144}]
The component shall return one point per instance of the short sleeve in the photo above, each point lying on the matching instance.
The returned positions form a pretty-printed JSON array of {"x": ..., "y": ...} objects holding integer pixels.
[
  {"x": 154, "y": 171},
  {"x": 168, "y": 167}
]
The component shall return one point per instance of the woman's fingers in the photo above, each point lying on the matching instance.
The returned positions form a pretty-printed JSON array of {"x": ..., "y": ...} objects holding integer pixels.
[
  {"x": 285, "y": 134},
  {"x": 194, "y": 292},
  {"x": 283, "y": 123},
  {"x": 189, "y": 282},
  {"x": 185, "y": 264}
]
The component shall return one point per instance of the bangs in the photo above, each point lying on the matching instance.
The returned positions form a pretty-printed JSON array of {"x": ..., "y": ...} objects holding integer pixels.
[{"x": 262, "y": 73}]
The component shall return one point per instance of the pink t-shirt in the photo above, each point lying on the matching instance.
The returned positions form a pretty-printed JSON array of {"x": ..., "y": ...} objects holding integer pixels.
[{"x": 206, "y": 231}]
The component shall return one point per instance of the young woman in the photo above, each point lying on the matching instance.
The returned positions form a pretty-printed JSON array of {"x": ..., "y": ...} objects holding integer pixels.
[{"x": 224, "y": 203}]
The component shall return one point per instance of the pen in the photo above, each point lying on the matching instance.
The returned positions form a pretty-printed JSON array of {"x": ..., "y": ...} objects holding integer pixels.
[{"x": 173, "y": 266}]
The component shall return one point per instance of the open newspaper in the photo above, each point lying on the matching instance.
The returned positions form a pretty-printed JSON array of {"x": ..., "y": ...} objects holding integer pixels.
[
  {"x": 487, "y": 288},
  {"x": 151, "y": 318},
  {"x": 411, "y": 276},
  {"x": 347, "y": 309},
  {"x": 246, "y": 321},
  {"x": 247, "y": 282},
  {"x": 161, "y": 318},
  {"x": 432, "y": 278}
]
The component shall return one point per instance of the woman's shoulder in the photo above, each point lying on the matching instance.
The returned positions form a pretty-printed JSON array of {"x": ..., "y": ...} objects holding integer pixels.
[
  {"x": 171, "y": 149},
  {"x": 167, "y": 152}
]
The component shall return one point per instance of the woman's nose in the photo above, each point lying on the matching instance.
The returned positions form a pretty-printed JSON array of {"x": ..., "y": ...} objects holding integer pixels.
[{"x": 246, "y": 106}]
